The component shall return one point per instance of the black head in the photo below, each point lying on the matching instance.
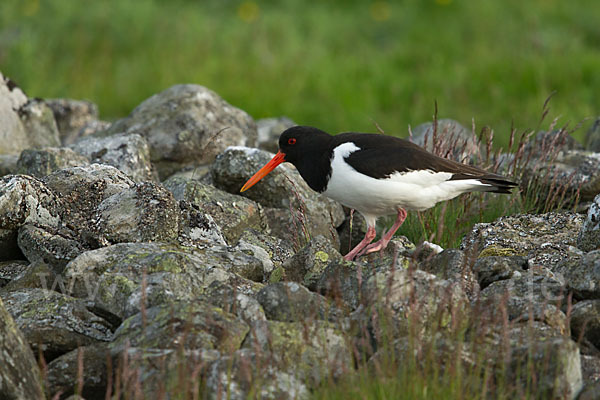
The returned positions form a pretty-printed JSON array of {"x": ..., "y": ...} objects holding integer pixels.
[{"x": 299, "y": 142}]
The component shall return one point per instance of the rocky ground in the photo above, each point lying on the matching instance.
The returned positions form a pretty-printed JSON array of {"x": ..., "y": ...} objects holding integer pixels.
[{"x": 128, "y": 260}]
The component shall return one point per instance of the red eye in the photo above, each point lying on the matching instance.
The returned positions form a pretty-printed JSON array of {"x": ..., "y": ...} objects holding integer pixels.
[{"x": 292, "y": 141}]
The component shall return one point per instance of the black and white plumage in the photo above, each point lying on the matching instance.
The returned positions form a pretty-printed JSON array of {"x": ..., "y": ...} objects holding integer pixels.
[{"x": 377, "y": 175}]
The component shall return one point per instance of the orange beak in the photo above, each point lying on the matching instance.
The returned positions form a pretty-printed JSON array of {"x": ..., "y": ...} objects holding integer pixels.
[{"x": 264, "y": 171}]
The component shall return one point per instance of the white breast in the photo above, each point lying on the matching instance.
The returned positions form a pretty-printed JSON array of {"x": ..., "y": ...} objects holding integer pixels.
[{"x": 414, "y": 190}]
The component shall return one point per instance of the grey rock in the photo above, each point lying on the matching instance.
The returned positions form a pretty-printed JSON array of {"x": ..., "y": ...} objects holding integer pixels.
[
  {"x": 24, "y": 199},
  {"x": 563, "y": 178},
  {"x": 448, "y": 139},
  {"x": 39, "y": 124},
  {"x": 129, "y": 153},
  {"x": 410, "y": 294},
  {"x": 269, "y": 130},
  {"x": 582, "y": 275},
  {"x": 49, "y": 246},
  {"x": 19, "y": 372},
  {"x": 307, "y": 265},
  {"x": 496, "y": 268},
  {"x": 340, "y": 281},
  {"x": 40, "y": 163},
  {"x": 232, "y": 213},
  {"x": 592, "y": 137},
  {"x": 589, "y": 235},
  {"x": 143, "y": 213},
  {"x": 82, "y": 189},
  {"x": 63, "y": 372},
  {"x": 13, "y": 136},
  {"x": 289, "y": 302},
  {"x": 531, "y": 296},
  {"x": 181, "y": 325},
  {"x": 72, "y": 116},
  {"x": 37, "y": 275},
  {"x": 118, "y": 278},
  {"x": 187, "y": 125},
  {"x": 454, "y": 265},
  {"x": 246, "y": 373},
  {"x": 590, "y": 368},
  {"x": 544, "y": 239},
  {"x": 173, "y": 373},
  {"x": 293, "y": 210},
  {"x": 55, "y": 323},
  {"x": 555, "y": 365},
  {"x": 310, "y": 351},
  {"x": 277, "y": 249},
  {"x": 591, "y": 391},
  {"x": 230, "y": 300},
  {"x": 197, "y": 228},
  {"x": 8, "y": 164},
  {"x": 9, "y": 270},
  {"x": 585, "y": 322}
]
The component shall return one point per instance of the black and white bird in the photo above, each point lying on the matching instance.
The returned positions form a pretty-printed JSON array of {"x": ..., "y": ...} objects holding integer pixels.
[{"x": 376, "y": 175}]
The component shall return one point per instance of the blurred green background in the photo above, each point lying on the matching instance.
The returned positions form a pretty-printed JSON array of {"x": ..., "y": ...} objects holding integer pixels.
[{"x": 338, "y": 65}]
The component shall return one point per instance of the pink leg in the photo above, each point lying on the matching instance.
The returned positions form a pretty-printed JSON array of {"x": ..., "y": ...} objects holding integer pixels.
[
  {"x": 369, "y": 236},
  {"x": 385, "y": 238}
]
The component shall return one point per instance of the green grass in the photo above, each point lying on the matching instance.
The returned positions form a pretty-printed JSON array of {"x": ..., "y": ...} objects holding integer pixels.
[{"x": 337, "y": 65}]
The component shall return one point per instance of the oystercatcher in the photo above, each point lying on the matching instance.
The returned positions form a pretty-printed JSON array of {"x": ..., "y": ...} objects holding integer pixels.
[{"x": 376, "y": 175}]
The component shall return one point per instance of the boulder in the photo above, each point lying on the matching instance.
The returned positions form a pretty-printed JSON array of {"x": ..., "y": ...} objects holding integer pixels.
[
  {"x": 19, "y": 373},
  {"x": 187, "y": 125},
  {"x": 589, "y": 235},
  {"x": 269, "y": 130},
  {"x": 54, "y": 323},
  {"x": 289, "y": 302},
  {"x": 128, "y": 153},
  {"x": 448, "y": 139},
  {"x": 42, "y": 162},
  {"x": 72, "y": 117}
]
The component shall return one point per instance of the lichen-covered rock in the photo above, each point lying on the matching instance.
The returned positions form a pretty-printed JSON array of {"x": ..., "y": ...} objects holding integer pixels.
[
  {"x": 269, "y": 130},
  {"x": 532, "y": 295},
  {"x": 187, "y": 125},
  {"x": 197, "y": 228},
  {"x": 415, "y": 295},
  {"x": 172, "y": 373},
  {"x": 146, "y": 212},
  {"x": 229, "y": 299},
  {"x": 82, "y": 189},
  {"x": 232, "y": 213},
  {"x": 293, "y": 210},
  {"x": 117, "y": 278},
  {"x": 55, "y": 323},
  {"x": 126, "y": 152},
  {"x": 582, "y": 275},
  {"x": 20, "y": 377},
  {"x": 553, "y": 365},
  {"x": 64, "y": 372},
  {"x": 42, "y": 162},
  {"x": 37, "y": 275},
  {"x": 289, "y": 301},
  {"x": 340, "y": 281},
  {"x": 248, "y": 373},
  {"x": 39, "y": 124},
  {"x": 72, "y": 116},
  {"x": 181, "y": 325},
  {"x": 562, "y": 178},
  {"x": 496, "y": 268},
  {"x": 310, "y": 351},
  {"x": 307, "y": 265},
  {"x": 55, "y": 247},
  {"x": 278, "y": 250},
  {"x": 9, "y": 270},
  {"x": 24, "y": 199},
  {"x": 585, "y": 322},
  {"x": 544, "y": 239},
  {"x": 589, "y": 235},
  {"x": 13, "y": 137},
  {"x": 454, "y": 265}
]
